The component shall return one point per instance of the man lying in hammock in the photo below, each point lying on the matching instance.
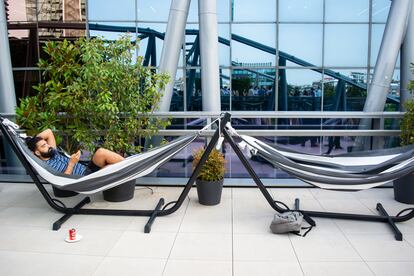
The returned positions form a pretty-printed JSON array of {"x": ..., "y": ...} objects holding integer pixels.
[{"x": 43, "y": 146}]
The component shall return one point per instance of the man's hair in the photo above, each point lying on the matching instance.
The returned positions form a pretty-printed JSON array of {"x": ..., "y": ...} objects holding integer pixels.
[{"x": 32, "y": 141}]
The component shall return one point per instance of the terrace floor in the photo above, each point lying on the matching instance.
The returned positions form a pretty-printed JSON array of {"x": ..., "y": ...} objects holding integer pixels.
[{"x": 232, "y": 238}]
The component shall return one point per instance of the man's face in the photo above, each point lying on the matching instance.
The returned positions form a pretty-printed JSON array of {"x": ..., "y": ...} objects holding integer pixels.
[{"x": 44, "y": 150}]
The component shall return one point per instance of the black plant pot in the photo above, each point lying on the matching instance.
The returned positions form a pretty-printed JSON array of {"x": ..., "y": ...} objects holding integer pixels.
[
  {"x": 404, "y": 189},
  {"x": 63, "y": 193},
  {"x": 209, "y": 192},
  {"x": 121, "y": 192}
]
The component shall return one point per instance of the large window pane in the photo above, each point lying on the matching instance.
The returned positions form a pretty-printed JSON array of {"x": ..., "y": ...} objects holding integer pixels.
[
  {"x": 23, "y": 47},
  {"x": 347, "y": 11},
  {"x": 69, "y": 10},
  {"x": 111, "y": 10},
  {"x": 24, "y": 81},
  {"x": 301, "y": 10},
  {"x": 223, "y": 11},
  {"x": 253, "y": 89},
  {"x": 380, "y": 9},
  {"x": 393, "y": 98},
  {"x": 225, "y": 89},
  {"x": 112, "y": 30},
  {"x": 224, "y": 49},
  {"x": 254, "y": 44},
  {"x": 346, "y": 45},
  {"x": 376, "y": 38},
  {"x": 177, "y": 100},
  {"x": 247, "y": 10},
  {"x": 159, "y": 43},
  {"x": 301, "y": 89},
  {"x": 293, "y": 37},
  {"x": 193, "y": 90},
  {"x": 148, "y": 10},
  {"x": 344, "y": 90},
  {"x": 21, "y": 11},
  {"x": 192, "y": 49}
]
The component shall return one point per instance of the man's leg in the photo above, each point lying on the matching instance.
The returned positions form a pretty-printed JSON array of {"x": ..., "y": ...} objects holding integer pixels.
[{"x": 104, "y": 157}]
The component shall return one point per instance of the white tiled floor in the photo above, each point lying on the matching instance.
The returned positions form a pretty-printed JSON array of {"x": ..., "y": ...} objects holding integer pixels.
[{"x": 232, "y": 238}]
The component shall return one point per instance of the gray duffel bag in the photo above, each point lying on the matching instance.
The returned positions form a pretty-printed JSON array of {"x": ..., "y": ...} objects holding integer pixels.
[{"x": 288, "y": 222}]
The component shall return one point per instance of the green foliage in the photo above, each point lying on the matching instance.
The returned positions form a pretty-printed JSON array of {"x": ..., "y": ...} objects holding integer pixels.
[
  {"x": 214, "y": 168},
  {"x": 407, "y": 123},
  {"x": 96, "y": 92}
]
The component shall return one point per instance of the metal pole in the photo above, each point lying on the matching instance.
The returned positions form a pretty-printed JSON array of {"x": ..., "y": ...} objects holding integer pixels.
[
  {"x": 387, "y": 56},
  {"x": 407, "y": 57},
  {"x": 7, "y": 92},
  {"x": 210, "y": 83},
  {"x": 173, "y": 43}
]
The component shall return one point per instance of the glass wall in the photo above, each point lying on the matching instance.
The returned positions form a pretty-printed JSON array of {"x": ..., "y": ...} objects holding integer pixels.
[{"x": 274, "y": 55}]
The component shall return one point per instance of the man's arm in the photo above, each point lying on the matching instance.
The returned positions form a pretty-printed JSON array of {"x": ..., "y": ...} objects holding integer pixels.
[{"x": 49, "y": 137}]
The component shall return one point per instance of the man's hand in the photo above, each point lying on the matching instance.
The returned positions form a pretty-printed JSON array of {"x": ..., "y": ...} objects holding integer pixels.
[{"x": 74, "y": 158}]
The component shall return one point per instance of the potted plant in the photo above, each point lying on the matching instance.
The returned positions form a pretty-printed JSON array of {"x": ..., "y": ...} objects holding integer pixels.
[
  {"x": 95, "y": 93},
  {"x": 210, "y": 179},
  {"x": 403, "y": 188}
]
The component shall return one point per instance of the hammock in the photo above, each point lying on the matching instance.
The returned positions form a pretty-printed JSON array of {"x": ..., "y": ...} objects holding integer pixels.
[
  {"x": 110, "y": 176},
  {"x": 351, "y": 172}
]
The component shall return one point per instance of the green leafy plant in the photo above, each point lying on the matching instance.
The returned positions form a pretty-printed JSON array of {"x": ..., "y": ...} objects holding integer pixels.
[
  {"x": 407, "y": 123},
  {"x": 214, "y": 168},
  {"x": 96, "y": 92}
]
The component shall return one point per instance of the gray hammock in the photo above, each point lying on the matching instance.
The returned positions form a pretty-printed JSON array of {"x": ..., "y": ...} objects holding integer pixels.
[{"x": 352, "y": 172}]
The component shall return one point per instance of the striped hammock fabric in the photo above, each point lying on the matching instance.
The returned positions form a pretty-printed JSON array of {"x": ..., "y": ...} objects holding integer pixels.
[{"x": 352, "y": 172}]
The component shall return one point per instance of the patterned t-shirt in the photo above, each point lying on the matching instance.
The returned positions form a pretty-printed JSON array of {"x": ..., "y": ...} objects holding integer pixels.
[{"x": 60, "y": 162}]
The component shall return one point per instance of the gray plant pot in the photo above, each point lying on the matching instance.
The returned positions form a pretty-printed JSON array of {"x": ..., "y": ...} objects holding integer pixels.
[
  {"x": 209, "y": 192},
  {"x": 121, "y": 192},
  {"x": 404, "y": 189}
]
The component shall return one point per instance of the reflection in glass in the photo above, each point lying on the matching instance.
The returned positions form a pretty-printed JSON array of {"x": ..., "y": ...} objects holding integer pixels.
[
  {"x": 380, "y": 9},
  {"x": 59, "y": 10},
  {"x": 347, "y": 11},
  {"x": 177, "y": 100},
  {"x": 225, "y": 89},
  {"x": 254, "y": 44},
  {"x": 24, "y": 82},
  {"x": 301, "y": 89},
  {"x": 23, "y": 47},
  {"x": 150, "y": 35},
  {"x": 223, "y": 11},
  {"x": 112, "y": 30},
  {"x": 253, "y": 89},
  {"x": 346, "y": 45},
  {"x": 148, "y": 10},
  {"x": 21, "y": 10},
  {"x": 247, "y": 10},
  {"x": 376, "y": 38},
  {"x": 301, "y": 10},
  {"x": 224, "y": 49},
  {"x": 393, "y": 98},
  {"x": 109, "y": 10},
  {"x": 346, "y": 90},
  {"x": 293, "y": 37},
  {"x": 192, "y": 46},
  {"x": 193, "y": 90}
]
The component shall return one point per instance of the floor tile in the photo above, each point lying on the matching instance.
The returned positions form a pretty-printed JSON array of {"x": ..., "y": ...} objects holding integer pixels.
[
  {"x": 141, "y": 245},
  {"x": 381, "y": 247},
  {"x": 392, "y": 268},
  {"x": 322, "y": 246},
  {"x": 28, "y": 263},
  {"x": 199, "y": 268},
  {"x": 264, "y": 247},
  {"x": 94, "y": 242},
  {"x": 111, "y": 266},
  {"x": 202, "y": 246},
  {"x": 336, "y": 268},
  {"x": 274, "y": 268}
]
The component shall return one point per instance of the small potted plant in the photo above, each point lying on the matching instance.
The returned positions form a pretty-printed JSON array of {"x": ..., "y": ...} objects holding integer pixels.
[
  {"x": 210, "y": 180},
  {"x": 403, "y": 188}
]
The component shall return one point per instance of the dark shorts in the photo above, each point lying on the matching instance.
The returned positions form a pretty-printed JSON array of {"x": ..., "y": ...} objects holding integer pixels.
[{"x": 91, "y": 168}]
